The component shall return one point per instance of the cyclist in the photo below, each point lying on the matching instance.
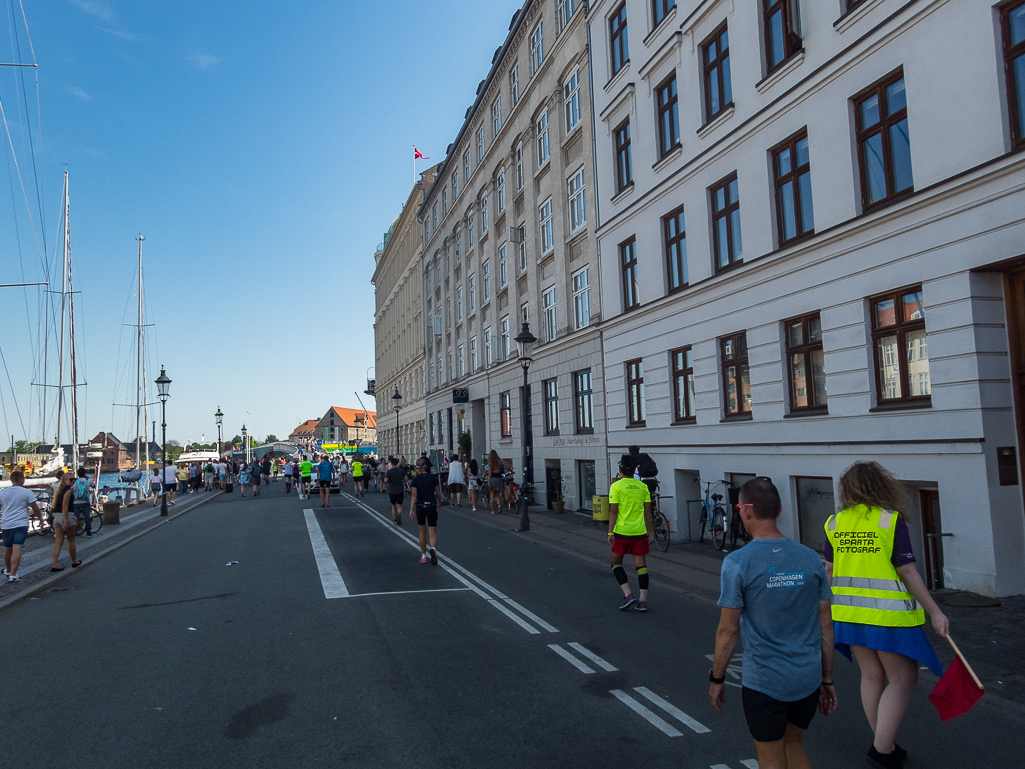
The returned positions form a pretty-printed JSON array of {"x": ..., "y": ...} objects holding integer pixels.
[
  {"x": 630, "y": 528},
  {"x": 647, "y": 470}
]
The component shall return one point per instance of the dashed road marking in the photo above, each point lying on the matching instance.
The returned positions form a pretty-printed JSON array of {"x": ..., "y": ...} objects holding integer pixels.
[
  {"x": 594, "y": 658},
  {"x": 672, "y": 710},
  {"x": 582, "y": 667},
  {"x": 652, "y": 718}
]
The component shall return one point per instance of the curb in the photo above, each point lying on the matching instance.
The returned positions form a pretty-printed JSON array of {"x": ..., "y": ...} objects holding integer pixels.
[{"x": 47, "y": 583}]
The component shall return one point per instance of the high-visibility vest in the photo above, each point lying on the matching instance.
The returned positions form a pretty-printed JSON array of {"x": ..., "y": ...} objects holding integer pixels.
[{"x": 866, "y": 587}]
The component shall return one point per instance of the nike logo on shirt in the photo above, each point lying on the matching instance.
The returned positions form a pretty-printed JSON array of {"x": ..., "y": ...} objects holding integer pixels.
[{"x": 777, "y": 551}]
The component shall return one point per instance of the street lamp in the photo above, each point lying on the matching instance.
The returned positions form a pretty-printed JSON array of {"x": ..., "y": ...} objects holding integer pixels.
[
  {"x": 397, "y": 400},
  {"x": 245, "y": 444},
  {"x": 163, "y": 386},
  {"x": 526, "y": 340},
  {"x": 219, "y": 417}
]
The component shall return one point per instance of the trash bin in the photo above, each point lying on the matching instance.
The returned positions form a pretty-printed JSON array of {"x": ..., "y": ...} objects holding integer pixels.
[
  {"x": 112, "y": 512},
  {"x": 600, "y": 508}
]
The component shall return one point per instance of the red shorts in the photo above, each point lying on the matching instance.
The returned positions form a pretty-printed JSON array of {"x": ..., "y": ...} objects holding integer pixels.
[{"x": 626, "y": 545}]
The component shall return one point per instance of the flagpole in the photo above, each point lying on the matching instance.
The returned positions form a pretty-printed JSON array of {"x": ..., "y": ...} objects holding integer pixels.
[{"x": 965, "y": 662}]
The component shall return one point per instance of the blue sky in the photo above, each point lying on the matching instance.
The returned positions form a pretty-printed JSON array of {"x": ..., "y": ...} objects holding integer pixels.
[{"x": 262, "y": 148}]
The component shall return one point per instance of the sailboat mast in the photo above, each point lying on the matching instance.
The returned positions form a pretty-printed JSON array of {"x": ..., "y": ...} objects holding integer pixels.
[
  {"x": 64, "y": 312},
  {"x": 138, "y": 367},
  {"x": 71, "y": 327}
]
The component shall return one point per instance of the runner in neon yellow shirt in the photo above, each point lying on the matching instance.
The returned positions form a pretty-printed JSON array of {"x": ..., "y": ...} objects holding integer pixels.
[{"x": 305, "y": 475}]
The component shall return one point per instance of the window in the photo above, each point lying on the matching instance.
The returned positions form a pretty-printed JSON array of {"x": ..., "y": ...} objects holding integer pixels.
[
  {"x": 444, "y": 202},
  {"x": 503, "y": 266},
  {"x": 460, "y": 366},
  {"x": 716, "y": 55},
  {"x": 503, "y": 339},
  {"x": 551, "y": 318},
  {"x": 434, "y": 218},
  {"x": 619, "y": 49},
  {"x": 473, "y": 293},
  {"x": 582, "y": 399},
  {"x": 736, "y": 376},
  {"x": 455, "y": 185},
  {"x": 660, "y": 9},
  {"x": 448, "y": 314},
  {"x": 726, "y": 223},
  {"x": 473, "y": 355},
  {"x": 582, "y": 298},
  {"x": 521, "y": 233},
  {"x": 667, "y": 99},
  {"x": 682, "y": 361},
  {"x": 524, "y": 313},
  {"x": 571, "y": 97},
  {"x": 459, "y": 304},
  {"x": 519, "y": 167},
  {"x": 544, "y": 214},
  {"x": 485, "y": 280},
  {"x": 459, "y": 246},
  {"x": 505, "y": 413},
  {"x": 430, "y": 417},
  {"x": 480, "y": 145},
  {"x": 551, "y": 390},
  {"x": 628, "y": 262},
  {"x": 496, "y": 116},
  {"x": 898, "y": 324},
  {"x": 514, "y": 84},
  {"x": 537, "y": 47},
  {"x": 806, "y": 363},
  {"x": 1013, "y": 24},
  {"x": 577, "y": 202},
  {"x": 794, "y": 216},
  {"x": 488, "y": 356},
  {"x": 427, "y": 231},
  {"x": 500, "y": 184},
  {"x": 466, "y": 165},
  {"x": 566, "y": 10},
  {"x": 469, "y": 229},
  {"x": 541, "y": 129},
  {"x": 674, "y": 231},
  {"x": 483, "y": 214},
  {"x": 624, "y": 162},
  {"x": 781, "y": 39},
  {"x": 635, "y": 393},
  {"x": 884, "y": 147}
]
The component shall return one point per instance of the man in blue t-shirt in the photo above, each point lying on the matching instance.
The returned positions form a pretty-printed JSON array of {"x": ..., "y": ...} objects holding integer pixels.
[
  {"x": 775, "y": 597},
  {"x": 325, "y": 471}
]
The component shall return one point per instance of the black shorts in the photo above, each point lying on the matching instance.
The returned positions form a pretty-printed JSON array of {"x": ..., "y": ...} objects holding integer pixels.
[
  {"x": 767, "y": 717},
  {"x": 325, "y": 484},
  {"x": 427, "y": 515},
  {"x": 396, "y": 499}
]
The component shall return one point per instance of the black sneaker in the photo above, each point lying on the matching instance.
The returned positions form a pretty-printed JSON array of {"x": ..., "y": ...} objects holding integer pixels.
[
  {"x": 434, "y": 557},
  {"x": 884, "y": 760},
  {"x": 901, "y": 753},
  {"x": 627, "y": 602}
]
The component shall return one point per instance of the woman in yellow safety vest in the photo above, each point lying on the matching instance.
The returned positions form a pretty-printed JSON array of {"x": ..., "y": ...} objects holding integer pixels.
[{"x": 878, "y": 600}]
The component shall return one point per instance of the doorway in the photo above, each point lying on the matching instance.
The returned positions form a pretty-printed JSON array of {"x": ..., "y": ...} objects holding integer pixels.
[
  {"x": 1014, "y": 298},
  {"x": 932, "y": 534},
  {"x": 553, "y": 479}
]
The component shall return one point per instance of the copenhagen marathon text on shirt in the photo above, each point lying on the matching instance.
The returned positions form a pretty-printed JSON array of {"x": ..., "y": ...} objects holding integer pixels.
[
  {"x": 785, "y": 579},
  {"x": 856, "y": 542}
]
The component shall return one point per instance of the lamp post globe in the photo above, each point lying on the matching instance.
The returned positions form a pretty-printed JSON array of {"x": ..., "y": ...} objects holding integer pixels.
[
  {"x": 396, "y": 399},
  {"x": 525, "y": 341},
  {"x": 163, "y": 393}
]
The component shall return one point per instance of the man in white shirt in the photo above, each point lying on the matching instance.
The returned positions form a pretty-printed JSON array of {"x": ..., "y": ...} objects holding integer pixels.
[
  {"x": 170, "y": 482},
  {"x": 15, "y": 502}
]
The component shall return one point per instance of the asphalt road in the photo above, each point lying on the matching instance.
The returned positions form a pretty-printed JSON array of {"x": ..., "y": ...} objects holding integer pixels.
[{"x": 510, "y": 653}]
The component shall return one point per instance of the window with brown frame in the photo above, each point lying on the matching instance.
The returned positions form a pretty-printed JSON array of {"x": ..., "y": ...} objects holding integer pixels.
[
  {"x": 790, "y": 165},
  {"x": 631, "y": 285},
  {"x": 682, "y": 365},
  {"x": 659, "y": 10},
  {"x": 900, "y": 347},
  {"x": 674, "y": 232},
  {"x": 726, "y": 223},
  {"x": 551, "y": 391},
  {"x": 852, "y": 4},
  {"x": 715, "y": 53},
  {"x": 736, "y": 375},
  {"x": 806, "y": 363},
  {"x": 583, "y": 398},
  {"x": 1012, "y": 19},
  {"x": 505, "y": 413},
  {"x": 666, "y": 99},
  {"x": 884, "y": 145},
  {"x": 624, "y": 161},
  {"x": 781, "y": 39},
  {"x": 635, "y": 392},
  {"x": 618, "y": 45}
]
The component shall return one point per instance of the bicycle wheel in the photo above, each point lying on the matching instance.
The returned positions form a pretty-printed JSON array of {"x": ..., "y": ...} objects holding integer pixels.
[
  {"x": 661, "y": 532},
  {"x": 704, "y": 525},
  {"x": 719, "y": 527},
  {"x": 80, "y": 527},
  {"x": 97, "y": 521}
]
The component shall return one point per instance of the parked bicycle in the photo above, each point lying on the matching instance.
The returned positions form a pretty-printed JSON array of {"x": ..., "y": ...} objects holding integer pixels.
[
  {"x": 737, "y": 528},
  {"x": 660, "y": 524},
  {"x": 713, "y": 515}
]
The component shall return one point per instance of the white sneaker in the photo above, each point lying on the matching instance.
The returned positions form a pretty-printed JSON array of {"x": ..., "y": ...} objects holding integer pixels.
[{"x": 13, "y": 578}]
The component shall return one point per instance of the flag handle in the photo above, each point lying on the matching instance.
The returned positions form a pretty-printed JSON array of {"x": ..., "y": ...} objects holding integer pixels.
[{"x": 965, "y": 662}]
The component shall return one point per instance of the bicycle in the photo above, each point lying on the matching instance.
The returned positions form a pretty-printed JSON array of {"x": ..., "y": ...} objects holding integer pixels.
[
  {"x": 713, "y": 515},
  {"x": 737, "y": 528},
  {"x": 97, "y": 521},
  {"x": 659, "y": 523}
]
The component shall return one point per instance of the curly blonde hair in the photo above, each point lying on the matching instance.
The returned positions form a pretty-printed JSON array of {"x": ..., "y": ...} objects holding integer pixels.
[{"x": 869, "y": 483}]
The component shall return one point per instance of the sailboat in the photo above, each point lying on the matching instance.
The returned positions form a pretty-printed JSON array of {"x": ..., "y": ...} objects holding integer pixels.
[{"x": 136, "y": 474}]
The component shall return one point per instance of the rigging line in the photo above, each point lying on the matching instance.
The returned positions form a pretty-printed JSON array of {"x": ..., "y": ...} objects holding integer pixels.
[
  {"x": 28, "y": 123},
  {"x": 21, "y": 181},
  {"x": 40, "y": 181},
  {"x": 17, "y": 408}
]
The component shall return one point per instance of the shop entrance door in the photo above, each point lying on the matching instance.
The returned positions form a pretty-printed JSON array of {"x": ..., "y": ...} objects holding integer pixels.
[{"x": 932, "y": 533}]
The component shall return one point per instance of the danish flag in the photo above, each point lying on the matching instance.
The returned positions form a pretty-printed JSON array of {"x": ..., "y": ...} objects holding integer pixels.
[{"x": 418, "y": 155}]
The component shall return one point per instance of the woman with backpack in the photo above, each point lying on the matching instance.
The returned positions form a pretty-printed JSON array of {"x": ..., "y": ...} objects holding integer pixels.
[
  {"x": 64, "y": 522},
  {"x": 80, "y": 500}
]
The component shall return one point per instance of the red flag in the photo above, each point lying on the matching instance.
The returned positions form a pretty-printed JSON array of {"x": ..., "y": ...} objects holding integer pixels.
[
  {"x": 418, "y": 155},
  {"x": 956, "y": 693}
]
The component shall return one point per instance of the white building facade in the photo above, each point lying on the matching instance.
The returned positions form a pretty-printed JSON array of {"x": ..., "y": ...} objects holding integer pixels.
[
  {"x": 508, "y": 239},
  {"x": 812, "y": 237}
]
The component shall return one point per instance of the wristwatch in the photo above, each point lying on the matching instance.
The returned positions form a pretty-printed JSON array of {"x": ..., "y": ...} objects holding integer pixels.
[{"x": 713, "y": 679}]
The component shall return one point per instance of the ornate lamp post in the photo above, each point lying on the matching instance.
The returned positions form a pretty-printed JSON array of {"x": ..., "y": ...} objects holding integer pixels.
[
  {"x": 525, "y": 340},
  {"x": 219, "y": 417},
  {"x": 163, "y": 388},
  {"x": 245, "y": 443},
  {"x": 397, "y": 400}
]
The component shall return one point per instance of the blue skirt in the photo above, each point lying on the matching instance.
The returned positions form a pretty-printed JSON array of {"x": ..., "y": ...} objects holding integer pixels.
[{"x": 909, "y": 641}]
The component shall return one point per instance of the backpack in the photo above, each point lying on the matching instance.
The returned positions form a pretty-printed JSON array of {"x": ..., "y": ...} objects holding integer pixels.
[
  {"x": 646, "y": 467},
  {"x": 81, "y": 489}
]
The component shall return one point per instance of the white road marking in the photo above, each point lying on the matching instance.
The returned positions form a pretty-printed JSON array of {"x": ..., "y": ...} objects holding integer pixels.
[
  {"x": 571, "y": 659},
  {"x": 531, "y": 615},
  {"x": 594, "y": 658},
  {"x": 672, "y": 710},
  {"x": 498, "y": 593},
  {"x": 409, "y": 592},
  {"x": 330, "y": 577},
  {"x": 750, "y": 763},
  {"x": 646, "y": 714},
  {"x": 514, "y": 617},
  {"x": 720, "y": 766}
]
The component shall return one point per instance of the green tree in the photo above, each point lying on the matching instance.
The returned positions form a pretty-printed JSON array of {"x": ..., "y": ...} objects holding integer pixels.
[
  {"x": 236, "y": 441},
  {"x": 272, "y": 438}
]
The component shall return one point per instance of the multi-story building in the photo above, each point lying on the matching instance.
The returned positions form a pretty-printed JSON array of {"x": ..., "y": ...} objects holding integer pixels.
[
  {"x": 812, "y": 242},
  {"x": 305, "y": 432},
  {"x": 398, "y": 330},
  {"x": 508, "y": 240},
  {"x": 345, "y": 425}
]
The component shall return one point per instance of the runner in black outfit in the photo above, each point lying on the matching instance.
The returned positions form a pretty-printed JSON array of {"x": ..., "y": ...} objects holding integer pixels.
[
  {"x": 424, "y": 506},
  {"x": 395, "y": 481}
]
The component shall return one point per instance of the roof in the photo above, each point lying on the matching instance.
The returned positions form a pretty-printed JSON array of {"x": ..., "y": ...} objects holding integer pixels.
[
  {"x": 309, "y": 426},
  {"x": 349, "y": 416}
]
